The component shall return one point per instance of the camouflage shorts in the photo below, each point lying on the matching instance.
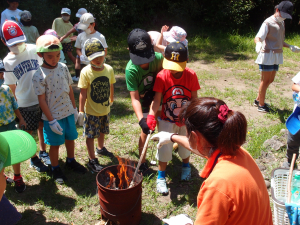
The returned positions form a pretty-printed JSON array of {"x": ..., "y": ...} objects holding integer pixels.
[{"x": 94, "y": 125}]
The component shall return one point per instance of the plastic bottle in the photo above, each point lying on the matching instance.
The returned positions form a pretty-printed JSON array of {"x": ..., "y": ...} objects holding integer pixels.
[{"x": 296, "y": 189}]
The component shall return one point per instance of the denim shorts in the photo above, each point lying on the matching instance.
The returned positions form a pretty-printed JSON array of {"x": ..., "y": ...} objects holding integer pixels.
[
  {"x": 268, "y": 68},
  {"x": 69, "y": 131}
]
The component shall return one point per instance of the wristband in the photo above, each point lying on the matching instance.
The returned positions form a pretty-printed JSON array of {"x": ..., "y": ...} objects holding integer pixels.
[{"x": 172, "y": 136}]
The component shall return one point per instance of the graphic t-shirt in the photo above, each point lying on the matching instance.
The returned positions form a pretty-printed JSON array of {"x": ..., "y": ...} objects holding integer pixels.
[
  {"x": 24, "y": 66},
  {"x": 142, "y": 81},
  {"x": 8, "y": 105},
  {"x": 8, "y": 14},
  {"x": 83, "y": 37},
  {"x": 176, "y": 92},
  {"x": 97, "y": 84},
  {"x": 62, "y": 28},
  {"x": 55, "y": 84},
  {"x": 31, "y": 34}
]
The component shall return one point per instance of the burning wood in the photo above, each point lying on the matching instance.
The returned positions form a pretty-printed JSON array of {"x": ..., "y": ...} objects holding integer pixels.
[{"x": 124, "y": 176}]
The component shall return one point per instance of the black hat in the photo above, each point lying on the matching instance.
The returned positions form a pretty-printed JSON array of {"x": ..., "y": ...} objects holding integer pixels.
[
  {"x": 175, "y": 56},
  {"x": 286, "y": 9},
  {"x": 93, "y": 48},
  {"x": 141, "y": 50}
]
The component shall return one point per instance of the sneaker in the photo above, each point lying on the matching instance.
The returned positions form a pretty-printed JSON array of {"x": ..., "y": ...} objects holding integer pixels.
[
  {"x": 20, "y": 185},
  {"x": 256, "y": 103},
  {"x": 76, "y": 167},
  {"x": 186, "y": 173},
  {"x": 37, "y": 164},
  {"x": 287, "y": 165},
  {"x": 264, "y": 109},
  {"x": 144, "y": 169},
  {"x": 103, "y": 151},
  {"x": 75, "y": 79},
  {"x": 58, "y": 175},
  {"x": 161, "y": 186},
  {"x": 8, "y": 180},
  {"x": 44, "y": 156},
  {"x": 94, "y": 165}
]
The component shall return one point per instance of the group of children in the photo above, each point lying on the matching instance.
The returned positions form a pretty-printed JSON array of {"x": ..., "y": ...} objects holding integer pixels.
[{"x": 41, "y": 96}]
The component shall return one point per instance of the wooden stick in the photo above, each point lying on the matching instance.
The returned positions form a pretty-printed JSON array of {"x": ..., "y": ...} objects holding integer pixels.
[
  {"x": 141, "y": 158},
  {"x": 290, "y": 178}
]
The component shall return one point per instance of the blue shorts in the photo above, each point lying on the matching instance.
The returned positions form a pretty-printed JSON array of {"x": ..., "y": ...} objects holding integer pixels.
[
  {"x": 69, "y": 131},
  {"x": 268, "y": 68}
]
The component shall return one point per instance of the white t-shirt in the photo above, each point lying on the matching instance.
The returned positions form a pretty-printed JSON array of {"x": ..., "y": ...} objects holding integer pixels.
[
  {"x": 83, "y": 37},
  {"x": 296, "y": 80},
  {"x": 8, "y": 14},
  {"x": 267, "y": 58},
  {"x": 24, "y": 66},
  {"x": 55, "y": 84}
]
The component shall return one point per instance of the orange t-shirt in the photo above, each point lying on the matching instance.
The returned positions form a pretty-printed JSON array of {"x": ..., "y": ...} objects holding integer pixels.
[{"x": 234, "y": 193}]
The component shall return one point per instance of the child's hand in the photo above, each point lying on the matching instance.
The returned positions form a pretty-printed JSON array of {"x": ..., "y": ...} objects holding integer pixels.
[
  {"x": 80, "y": 118},
  {"x": 164, "y": 28},
  {"x": 22, "y": 124},
  {"x": 73, "y": 38}
]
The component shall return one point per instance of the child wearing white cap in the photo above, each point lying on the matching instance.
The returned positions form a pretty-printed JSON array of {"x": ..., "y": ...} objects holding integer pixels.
[
  {"x": 12, "y": 12},
  {"x": 87, "y": 24},
  {"x": 79, "y": 13},
  {"x": 31, "y": 32},
  {"x": 162, "y": 39},
  {"x": 52, "y": 84},
  {"x": 62, "y": 25}
]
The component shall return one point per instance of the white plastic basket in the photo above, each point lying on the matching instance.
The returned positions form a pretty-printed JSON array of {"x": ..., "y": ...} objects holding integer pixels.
[{"x": 279, "y": 182}]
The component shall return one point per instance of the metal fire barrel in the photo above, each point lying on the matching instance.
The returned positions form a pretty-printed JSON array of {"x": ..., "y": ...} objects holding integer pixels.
[{"x": 122, "y": 206}]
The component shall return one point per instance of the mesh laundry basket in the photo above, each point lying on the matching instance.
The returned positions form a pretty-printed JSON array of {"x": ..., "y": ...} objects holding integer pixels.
[{"x": 279, "y": 182}]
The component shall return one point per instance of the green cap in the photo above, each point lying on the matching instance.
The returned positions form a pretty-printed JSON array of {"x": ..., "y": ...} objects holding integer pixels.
[
  {"x": 15, "y": 146},
  {"x": 45, "y": 41}
]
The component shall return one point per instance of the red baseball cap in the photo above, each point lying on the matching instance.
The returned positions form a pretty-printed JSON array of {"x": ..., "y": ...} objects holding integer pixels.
[{"x": 12, "y": 33}]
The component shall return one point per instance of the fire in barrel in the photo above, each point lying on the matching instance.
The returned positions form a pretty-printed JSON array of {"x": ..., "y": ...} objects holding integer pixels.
[{"x": 119, "y": 202}]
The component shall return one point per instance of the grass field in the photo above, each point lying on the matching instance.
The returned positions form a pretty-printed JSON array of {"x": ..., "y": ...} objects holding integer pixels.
[{"x": 225, "y": 66}]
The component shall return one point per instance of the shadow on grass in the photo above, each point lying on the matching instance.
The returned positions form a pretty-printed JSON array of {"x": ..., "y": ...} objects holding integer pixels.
[
  {"x": 30, "y": 216},
  {"x": 183, "y": 191},
  {"x": 282, "y": 114},
  {"x": 150, "y": 219},
  {"x": 46, "y": 192}
]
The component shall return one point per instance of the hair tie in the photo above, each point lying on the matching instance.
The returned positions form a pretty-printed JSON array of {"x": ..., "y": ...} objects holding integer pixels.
[{"x": 223, "y": 111}]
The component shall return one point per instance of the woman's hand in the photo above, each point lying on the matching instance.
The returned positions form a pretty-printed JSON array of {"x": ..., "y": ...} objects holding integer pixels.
[{"x": 162, "y": 138}]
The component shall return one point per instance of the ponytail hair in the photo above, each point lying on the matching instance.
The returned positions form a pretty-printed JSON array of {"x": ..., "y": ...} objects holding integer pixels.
[{"x": 202, "y": 115}]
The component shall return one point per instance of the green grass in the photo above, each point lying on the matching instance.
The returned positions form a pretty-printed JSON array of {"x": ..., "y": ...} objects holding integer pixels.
[{"x": 224, "y": 63}]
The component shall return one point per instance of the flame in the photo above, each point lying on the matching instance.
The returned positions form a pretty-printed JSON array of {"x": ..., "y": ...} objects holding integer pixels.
[
  {"x": 122, "y": 175},
  {"x": 111, "y": 177}
]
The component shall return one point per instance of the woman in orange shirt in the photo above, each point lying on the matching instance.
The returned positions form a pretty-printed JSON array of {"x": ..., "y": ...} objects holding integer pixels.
[{"x": 234, "y": 191}]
